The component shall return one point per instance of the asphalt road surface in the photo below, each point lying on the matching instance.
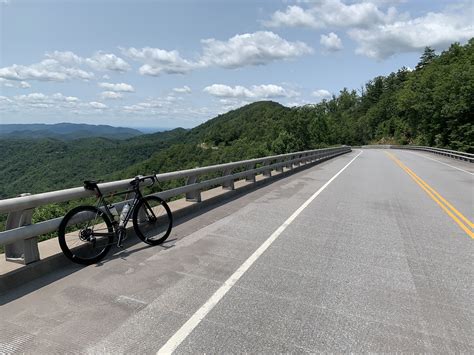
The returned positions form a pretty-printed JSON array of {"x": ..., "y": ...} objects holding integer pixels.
[{"x": 370, "y": 251}]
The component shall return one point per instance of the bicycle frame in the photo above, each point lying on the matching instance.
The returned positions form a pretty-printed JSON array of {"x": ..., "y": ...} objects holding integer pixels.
[
  {"x": 120, "y": 229},
  {"x": 115, "y": 221}
]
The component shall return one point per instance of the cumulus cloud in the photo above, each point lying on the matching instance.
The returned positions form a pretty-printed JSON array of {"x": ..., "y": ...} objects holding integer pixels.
[
  {"x": 63, "y": 66},
  {"x": 294, "y": 16},
  {"x": 183, "y": 90},
  {"x": 437, "y": 30},
  {"x": 251, "y": 49},
  {"x": 378, "y": 30},
  {"x": 331, "y": 42},
  {"x": 152, "y": 105},
  {"x": 158, "y": 61},
  {"x": 321, "y": 94},
  {"x": 24, "y": 85},
  {"x": 66, "y": 57},
  {"x": 41, "y": 101},
  {"x": 107, "y": 95},
  {"x": 118, "y": 87},
  {"x": 46, "y": 70},
  {"x": 247, "y": 49},
  {"x": 14, "y": 84},
  {"x": 254, "y": 92},
  {"x": 107, "y": 61},
  {"x": 332, "y": 13},
  {"x": 97, "y": 105}
]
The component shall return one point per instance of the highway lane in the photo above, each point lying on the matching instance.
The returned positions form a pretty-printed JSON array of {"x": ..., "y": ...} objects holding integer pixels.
[{"x": 371, "y": 264}]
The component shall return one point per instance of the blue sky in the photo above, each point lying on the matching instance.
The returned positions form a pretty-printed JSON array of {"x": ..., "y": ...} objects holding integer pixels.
[{"x": 180, "y": 63}]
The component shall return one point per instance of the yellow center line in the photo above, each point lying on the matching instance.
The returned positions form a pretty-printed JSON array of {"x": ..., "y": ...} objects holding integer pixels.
[
  {"x": 459, "y": 214},
  {"x": 435, "y": 196}
]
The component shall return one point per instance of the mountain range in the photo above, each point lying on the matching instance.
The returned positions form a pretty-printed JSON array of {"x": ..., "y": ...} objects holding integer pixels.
[{"x": 65, "y": 131}]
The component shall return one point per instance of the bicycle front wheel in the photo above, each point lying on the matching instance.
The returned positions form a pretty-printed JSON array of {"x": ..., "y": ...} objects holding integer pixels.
[
  {"x": 85, "y": 235},
  {"x": 152, "y": 220}
]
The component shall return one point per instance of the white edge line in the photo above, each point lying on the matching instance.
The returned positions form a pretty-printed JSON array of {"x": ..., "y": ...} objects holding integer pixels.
[
  {"x": 197, "y": 317},
  {"x": 439, "y": 161}
]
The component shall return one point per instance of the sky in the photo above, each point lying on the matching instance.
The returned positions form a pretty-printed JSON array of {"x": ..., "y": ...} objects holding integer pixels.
[{"x": 175, "y": 63}]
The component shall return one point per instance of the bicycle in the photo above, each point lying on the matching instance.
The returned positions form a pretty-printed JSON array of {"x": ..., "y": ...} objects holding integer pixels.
[{"x": 87, "y": 233}]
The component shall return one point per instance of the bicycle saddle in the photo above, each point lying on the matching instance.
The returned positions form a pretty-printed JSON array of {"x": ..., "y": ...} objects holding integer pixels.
[{"x": 90, "y": 184}]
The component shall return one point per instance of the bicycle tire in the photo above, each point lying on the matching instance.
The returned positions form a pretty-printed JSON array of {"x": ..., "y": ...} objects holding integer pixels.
[
  {"x": 89, "y": 252},
  {"x": 152, "y": 230}
]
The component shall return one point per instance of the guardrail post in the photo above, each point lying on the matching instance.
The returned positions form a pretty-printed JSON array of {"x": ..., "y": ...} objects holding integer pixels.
[
  {"x": 24, "y": 251},
  {"x": 193, "y": 196},
  {"x": 290, "y": 165},
  {"x": 298, "y": 163},
  {"x": 268, "y": 172},
  {"x": 250, "y": 177},
  {"x": 308, "y": 158},
  {"x": 280, "y": 167},
  {"x": 229, "y": 184}
]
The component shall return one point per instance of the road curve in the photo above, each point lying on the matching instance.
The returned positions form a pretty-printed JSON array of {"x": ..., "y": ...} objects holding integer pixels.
[{"x": 370, "y": 262}]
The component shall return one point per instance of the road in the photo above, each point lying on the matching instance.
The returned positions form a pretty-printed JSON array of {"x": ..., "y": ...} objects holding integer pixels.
[{"x": 370, "y": 258}]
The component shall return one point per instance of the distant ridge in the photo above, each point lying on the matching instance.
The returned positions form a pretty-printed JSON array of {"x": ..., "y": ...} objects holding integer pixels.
[{"x": 65, "y": 131}]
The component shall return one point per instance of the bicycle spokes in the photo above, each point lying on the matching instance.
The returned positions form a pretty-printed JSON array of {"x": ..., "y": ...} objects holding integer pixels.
[
  {"x": 87, "y": 238},
  {"x": 153, "y": 220}
]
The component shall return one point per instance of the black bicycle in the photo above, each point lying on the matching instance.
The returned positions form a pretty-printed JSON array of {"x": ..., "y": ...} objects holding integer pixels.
[{"x": 87, "y": 233}]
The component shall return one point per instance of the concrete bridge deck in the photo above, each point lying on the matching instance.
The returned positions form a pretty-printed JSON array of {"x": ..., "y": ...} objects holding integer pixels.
[{"x": 374, "y": 259}]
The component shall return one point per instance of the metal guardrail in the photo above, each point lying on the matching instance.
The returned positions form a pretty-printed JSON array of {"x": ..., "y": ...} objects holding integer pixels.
[
  {"x": 20, "y": 236},
  {"x": 446, "y": 152}
]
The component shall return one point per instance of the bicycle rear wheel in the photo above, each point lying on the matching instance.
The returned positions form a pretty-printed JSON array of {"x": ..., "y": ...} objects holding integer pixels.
[
  {"x": 152, "y": 220},
  {"x": 85, "y": 235}
]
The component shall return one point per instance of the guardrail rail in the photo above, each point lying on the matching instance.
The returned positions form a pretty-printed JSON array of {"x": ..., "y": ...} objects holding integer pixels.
[
  {"x": 446, "y": 152},
  {"x": 20, "y": 236}
]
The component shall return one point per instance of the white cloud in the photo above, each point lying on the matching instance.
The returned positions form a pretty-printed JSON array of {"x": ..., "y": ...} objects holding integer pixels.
[
  {"x": 332, "y": 13},
  {"x": 40, "y": 97},
  {"x": 61, "y": 97},
  {"x": 66, "y": 57},
  {"x": 294, "y": 16},
  {"x": 107, "y": 61},
  {"x": 119, "y": 87},
  {"x": 14, "y": 84},
  {"x": 250, "y": 49},
  {"x": 254, "y": 92},
  {"x": 106, "y": 95},
  {"x": 157, "y": 61},
  {"x": 46, "y": 70},
  {"x": 331, "y": 42},
  {"x": 153, "y": 105},
  {"x": 41, "y": 101},
  {"x": 379, "y": 30},
  {"x": 321, "y": 94},
  {"x": 97, "y": 105},
  {"x": 247, "y": 49},
  {"x": 63, "y": 66},
  {"x": 24, "y": 85},
  {"x": 184, "y": 90},
  {"x": 437, "y": 30}
]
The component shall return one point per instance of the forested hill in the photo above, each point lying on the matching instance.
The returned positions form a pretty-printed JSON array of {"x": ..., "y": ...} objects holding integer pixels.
[
  {"x": 430, "y": 105},
  {"x": 38, "y": 165}
]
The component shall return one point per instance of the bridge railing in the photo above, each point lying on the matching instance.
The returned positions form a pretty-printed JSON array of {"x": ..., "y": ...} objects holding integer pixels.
[
  {"x": 446, "y": 152},
  {"x": 20, "y": 236}
]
